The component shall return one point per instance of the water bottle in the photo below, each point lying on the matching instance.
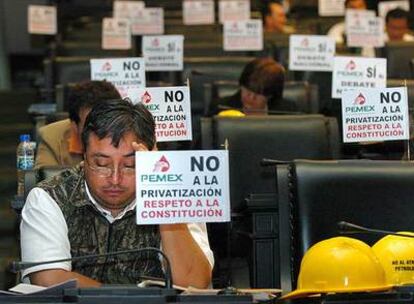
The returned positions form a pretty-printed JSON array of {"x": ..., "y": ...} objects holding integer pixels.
[{"x": 25, "y": 160}]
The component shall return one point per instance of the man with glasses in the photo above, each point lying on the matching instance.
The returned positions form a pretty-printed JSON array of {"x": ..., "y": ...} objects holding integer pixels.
[{"x": 90, "y": 210}]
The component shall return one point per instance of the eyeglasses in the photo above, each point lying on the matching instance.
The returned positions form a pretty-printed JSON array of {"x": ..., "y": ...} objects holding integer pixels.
[{"x": 109, "y": 171}]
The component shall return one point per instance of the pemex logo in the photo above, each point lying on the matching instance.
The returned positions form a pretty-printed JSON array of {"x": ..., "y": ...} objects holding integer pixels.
[
  {"x": 162, "y": 165},
  {"x": 351, "y": 65},
  {"x": 305, "y": 42},
  {"x": 106, "y": 67},
  {"x": 360, "y": 100},
  {"x": 146, "y": 97},
  {"x": 155, "y": 42}
]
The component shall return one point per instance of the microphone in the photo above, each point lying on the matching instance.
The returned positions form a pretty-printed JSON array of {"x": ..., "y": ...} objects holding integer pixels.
[
  {"x": 350, "y": 228},
  {"x": 17, "y": 266},
  {"x": 272, "y": 162}
]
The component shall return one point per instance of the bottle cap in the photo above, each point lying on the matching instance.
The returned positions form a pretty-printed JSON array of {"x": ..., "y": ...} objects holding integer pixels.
[{"x": 24, "y": 137}]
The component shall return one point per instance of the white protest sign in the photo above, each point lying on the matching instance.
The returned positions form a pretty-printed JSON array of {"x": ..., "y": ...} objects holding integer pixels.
[
  {"x": 163, "y": 53},
  {"x": 358, "y": 73},
  {"x": 126, "y": 74},
  {"x": 375, "y": 114},
  {"x": 385, "y": 6},
  {"x": 149, "y": 20},
  {"x": 243, "y": 35},
  {"x": 42, "y": 19},
  {"x": 116, "y": 34},
  {"x": 171, "y": 109},
  {"x": 363, "y": 28},
  {"x": 182, "y": 187},
  {"x": 331, "y": 8},
  {"x": 127, "y": 9},
  {"x": 234, "y": 10},
  {"x": 198, "y": 12},
  {"x": 311, "y": 53}
]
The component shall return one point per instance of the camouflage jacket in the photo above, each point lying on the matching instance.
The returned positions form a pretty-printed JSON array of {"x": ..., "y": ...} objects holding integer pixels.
[{"x": 89, "y": 232}]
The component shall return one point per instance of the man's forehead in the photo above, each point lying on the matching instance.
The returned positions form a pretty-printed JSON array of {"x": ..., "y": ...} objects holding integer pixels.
[{"x": 110, "y": 142}]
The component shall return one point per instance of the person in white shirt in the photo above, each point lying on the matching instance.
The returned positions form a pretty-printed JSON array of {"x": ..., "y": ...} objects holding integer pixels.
[
  {"x": 396, "y": 26},
  {"x": 89, "y": 209}
]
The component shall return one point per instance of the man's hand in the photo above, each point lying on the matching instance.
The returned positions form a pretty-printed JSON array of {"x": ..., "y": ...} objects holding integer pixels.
[
  {"x": 189, "y": 264},
  {"x": 141, "y": 147}
]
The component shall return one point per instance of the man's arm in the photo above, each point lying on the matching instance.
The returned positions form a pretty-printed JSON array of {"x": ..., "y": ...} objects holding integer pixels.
[
  {"x": 54, "y": 276},
  {"x": 43, "y": 232},
  {"x": 190, "y": 266}
]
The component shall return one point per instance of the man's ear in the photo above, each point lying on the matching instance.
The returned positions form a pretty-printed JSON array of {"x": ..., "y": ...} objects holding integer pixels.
[{"x": 74, "y": 128}]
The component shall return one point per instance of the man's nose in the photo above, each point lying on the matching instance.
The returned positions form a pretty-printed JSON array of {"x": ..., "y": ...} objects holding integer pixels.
[{"x": 116, "y": 176}]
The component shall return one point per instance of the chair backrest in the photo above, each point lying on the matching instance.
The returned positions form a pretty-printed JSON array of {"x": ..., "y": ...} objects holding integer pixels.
[
  {"x": 65, "y": 70},
  {"x": 315, "y": 195},
  {"x": 399, "y": 55},
  {"x": 208, "y": 69},
  {"x": 32, "y": 177},
  {"x": 304, "y": 95},
  {"x": 402, "y": 83},
  {"x": 252, "y": 138}
]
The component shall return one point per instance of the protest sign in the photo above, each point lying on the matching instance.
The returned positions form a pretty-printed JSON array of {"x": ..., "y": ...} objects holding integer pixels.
[
  {"x": 116, "y": 34},
  {"x": 42, "y": 19},
  {"x": 358, "y": 73},
  {"x": 182, "y": 187},
  {"x": 243, "y": 35},
  {"x": 364, "y": 29},
  {"x": 149, "y": 21},
  {"x": 198, "y": 12},
  {"x": 234, "y": 10},
  {"x": 375, "y": 115},
  {"x": 163, "y": 53},
  {"x": 126, "y": 74},
  {"x": 171, "y": 109},
  {"x": 127, "y": 9},
  {"x": 327, "y": 8},
  {"x": 385, "y": 6},
  {"x": 311, "y": 53}
]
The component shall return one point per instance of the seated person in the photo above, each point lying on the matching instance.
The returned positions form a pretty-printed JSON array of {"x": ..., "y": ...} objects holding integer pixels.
[
  {"x": 261, "y": 90},
  {"x": 60, "y": 143},
  {"x": 89, "y": 209},
  {"x": 396, "y": 26},
  {"x": 274, "y": 18},
  {"x": 338, "y": 30}
]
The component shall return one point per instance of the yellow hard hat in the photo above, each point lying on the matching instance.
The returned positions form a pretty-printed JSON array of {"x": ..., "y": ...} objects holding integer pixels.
[
  {"x": 396, "y": 254},
  {"x": 231, "y": 113},
  {"x": 339, "y": 264}
]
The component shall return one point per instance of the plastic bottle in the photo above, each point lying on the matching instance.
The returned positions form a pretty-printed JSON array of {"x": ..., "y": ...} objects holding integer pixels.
[{"x": 25, "y": 160}]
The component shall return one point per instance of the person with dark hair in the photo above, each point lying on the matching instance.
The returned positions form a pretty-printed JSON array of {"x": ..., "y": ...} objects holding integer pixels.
[
  {"x": 90, "y": 209},
  {"x": 261, "y": 90},
  {"x": 274, "y": 17},
  {"x": 396, "y": 26},
  {"x": 59, "y": 143}
]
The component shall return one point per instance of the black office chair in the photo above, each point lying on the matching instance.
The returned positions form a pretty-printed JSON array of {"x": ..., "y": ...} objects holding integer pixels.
[
  {"x": 251, "y": 139},
  {"x": 31, "y": 178},
  {"x": 303, "y": 94},
  {"x": 399, "y": 55},
  {"x": 315, "y": 195}
]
